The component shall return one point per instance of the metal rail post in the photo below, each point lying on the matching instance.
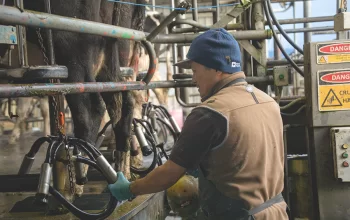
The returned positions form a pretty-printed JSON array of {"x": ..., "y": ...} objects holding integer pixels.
[
  {"x": 342, "y": 34},
  {"x": 259, "y": 69},
  {"x": 307, "y": 13},
  {"x": 182, "y": 93}
]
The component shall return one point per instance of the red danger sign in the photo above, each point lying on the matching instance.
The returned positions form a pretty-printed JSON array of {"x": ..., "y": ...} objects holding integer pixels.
[
  {"x": 336, "y": 77},
  {"x": 335, "y": 48}
]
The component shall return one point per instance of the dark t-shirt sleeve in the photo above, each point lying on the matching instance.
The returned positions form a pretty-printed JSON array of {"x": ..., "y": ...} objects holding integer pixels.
[{"x": 203, "y": 130}]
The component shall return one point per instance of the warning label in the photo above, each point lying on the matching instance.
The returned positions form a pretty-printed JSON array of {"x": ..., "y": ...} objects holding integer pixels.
[
  {"x": 333, "y": 53},
  {"x": 334, "y": 90}
]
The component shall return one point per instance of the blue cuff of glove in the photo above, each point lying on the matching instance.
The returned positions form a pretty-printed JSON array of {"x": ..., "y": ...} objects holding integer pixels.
[
  {"x": 193, "y": 173},
  {"x": 121, "y": 188}
]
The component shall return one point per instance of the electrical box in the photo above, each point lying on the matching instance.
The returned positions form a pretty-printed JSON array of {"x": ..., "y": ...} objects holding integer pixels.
[
  {"x": 8, "y": 35},
  {"x": 342, "y": 21},
  {"x": 340, "y": 142},
  {"x": 280, "y": 74}
]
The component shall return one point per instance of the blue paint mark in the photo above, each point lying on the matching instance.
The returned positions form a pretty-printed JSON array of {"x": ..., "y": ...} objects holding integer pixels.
[
  {"x": 112, "y": 85},
  {"x": 41, "y": 24},
  {"x": 114, "y": 32},
  {"x": 82, "y": 29},
  {"x": 13, "y": 38}
]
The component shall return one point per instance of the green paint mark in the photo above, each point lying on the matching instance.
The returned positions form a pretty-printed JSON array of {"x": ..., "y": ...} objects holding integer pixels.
[{"x": 126, "y": 35}]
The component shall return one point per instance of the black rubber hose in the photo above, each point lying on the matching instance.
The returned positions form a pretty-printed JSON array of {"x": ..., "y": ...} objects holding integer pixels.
[
  {"x": 49, "y": 152},
  {"x": 294, "y": 113},
  {"x": 89, "y": 162},
  {"x": 150, "y": 168},
  {"x": 105, "y": 128},
  {"x": 36, "y": 146},
  {"x": 275, "y": 21},
  {"x": 144, "y": 126},
  {"x": 55, "y": 150},
  {"x": 165, "y": 110},
  {"x": 82, "y": 148},
  {"x": 278, "y": 42},
  {"x": 148, "y": 123},
  {"x": 163, "y": 130},
  {"x": 86, "y": 144},
  {"x": 113, "y": 202},
  {"x": 169, "y": 128},
  {"x": 160, "y": 113}
]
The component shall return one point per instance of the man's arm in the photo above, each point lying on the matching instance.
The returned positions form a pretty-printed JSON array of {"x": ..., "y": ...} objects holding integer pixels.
[
  {"x": 161, "y": 178},
  {"x": 203, "y": 130}
]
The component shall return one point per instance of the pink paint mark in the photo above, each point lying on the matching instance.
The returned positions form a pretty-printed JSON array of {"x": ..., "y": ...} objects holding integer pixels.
[
  {"x": 105, "y": 33},
  {"x": 81, "y": 88},
  {"x": 124, "y": 88},
  {"x": 132, "y": 37}
]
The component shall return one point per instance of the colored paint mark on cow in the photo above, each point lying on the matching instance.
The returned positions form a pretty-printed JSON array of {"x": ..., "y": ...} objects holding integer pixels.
[
  {"x": 114, "y": 32},
  {"x": 41, "y": 24},
  {"x": 105, "y": 33},
  {"x": 82, "y": 29},
  {"x": 132, "y": 37},
  {"x": 124, "y": 87}
]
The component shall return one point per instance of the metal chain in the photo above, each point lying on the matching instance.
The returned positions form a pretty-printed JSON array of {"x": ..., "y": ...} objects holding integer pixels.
[
  {"x": 70, "y": 173},
  {"x": 345, "y": 5},
  {"x": 43, "y": 50},
  {"x": 58, "y": 129}
]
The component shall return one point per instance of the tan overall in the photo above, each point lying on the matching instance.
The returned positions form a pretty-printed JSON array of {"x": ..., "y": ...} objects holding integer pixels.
[{"x": 247, "y": 169}]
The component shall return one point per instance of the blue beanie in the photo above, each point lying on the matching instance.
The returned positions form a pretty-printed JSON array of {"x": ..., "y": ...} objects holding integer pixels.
[{"x": 216, "y": 49}]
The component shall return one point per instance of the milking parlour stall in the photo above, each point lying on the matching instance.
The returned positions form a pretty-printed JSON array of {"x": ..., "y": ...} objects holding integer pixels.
[{"x": 88, "y": 89}]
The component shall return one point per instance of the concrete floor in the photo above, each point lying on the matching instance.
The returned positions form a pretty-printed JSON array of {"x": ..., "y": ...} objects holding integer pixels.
[{"x": 11, "y": 158}]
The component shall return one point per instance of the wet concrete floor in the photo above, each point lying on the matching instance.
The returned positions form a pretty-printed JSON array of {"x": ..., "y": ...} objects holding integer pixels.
[{"x": 10, "y": 160}]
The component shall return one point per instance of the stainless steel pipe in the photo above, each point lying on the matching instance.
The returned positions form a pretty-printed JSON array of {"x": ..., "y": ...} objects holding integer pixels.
[
  {"x": 29, "y": 90},
  {"x": 188, "y": 38},
  {"x": 312, "y": 29},
  {"x": 13, "y": 16},
  {"x": 304, "y": 20}
]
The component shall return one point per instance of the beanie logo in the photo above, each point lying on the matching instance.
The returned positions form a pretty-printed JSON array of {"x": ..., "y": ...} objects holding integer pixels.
[{"x": 234, "y": 64}]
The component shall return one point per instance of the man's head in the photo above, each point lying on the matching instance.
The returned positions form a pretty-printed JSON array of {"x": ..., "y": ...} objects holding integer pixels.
[{"x": 212, "y": 56}]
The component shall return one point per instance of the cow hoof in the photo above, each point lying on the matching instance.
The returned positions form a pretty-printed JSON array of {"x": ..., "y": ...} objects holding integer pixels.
[{"x": 12, "y": 140}]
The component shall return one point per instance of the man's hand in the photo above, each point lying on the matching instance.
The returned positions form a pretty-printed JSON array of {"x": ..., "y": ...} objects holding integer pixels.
[{"x": 121, "y": 188}]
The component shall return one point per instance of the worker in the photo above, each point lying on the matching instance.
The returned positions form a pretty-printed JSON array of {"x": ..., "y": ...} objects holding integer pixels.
[{"x": 234, "y": 138}]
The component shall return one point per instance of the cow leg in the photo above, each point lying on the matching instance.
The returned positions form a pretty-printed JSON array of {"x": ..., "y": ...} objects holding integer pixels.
[
  {"x": 119, "y": 106},
  {"x": 22, "y": 112},
  {"x": 44, "y": 108},
  {"x": 86, "y": 109},
  {"x": 161, "y": 93}
]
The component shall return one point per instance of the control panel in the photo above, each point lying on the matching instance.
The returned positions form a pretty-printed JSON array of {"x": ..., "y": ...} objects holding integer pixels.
[{"x": 340, "y": 138}]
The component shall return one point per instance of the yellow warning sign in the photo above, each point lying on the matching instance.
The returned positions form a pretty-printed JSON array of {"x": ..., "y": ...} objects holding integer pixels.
[
  {"x": 334, "y": 90},
  {"x": 326, "y": 59},
  {"x": 322, "y": 60},
  {"x": 333, "y": 52}
]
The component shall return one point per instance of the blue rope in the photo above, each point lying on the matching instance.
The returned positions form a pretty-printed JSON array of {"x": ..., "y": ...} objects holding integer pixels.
[{"x": 167, "y": 7}]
